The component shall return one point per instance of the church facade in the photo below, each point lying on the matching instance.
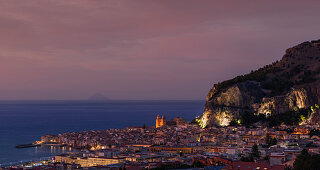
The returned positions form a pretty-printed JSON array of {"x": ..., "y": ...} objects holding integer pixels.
[{"x": 160, "y": 121}]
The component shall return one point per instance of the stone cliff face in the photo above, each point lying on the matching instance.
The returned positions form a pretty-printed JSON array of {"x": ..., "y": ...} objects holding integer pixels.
[{"x": 289, "y": 84}]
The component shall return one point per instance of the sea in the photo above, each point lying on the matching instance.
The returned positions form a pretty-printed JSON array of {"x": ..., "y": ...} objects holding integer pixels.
[{"x": 23, "y": 122}]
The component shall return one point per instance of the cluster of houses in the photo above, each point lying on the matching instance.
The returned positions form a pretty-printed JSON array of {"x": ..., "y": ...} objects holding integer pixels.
[{"x": 183, "y": 144}]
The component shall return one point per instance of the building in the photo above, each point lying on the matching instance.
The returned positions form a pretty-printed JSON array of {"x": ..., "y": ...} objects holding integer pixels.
[
  {"x": 239, "y": 165},
  {"x": 277, "y": 158},
  {"x": 88, "y": 161},
  {"x": 171, "y": 149},
  {"x": 160, "y": 121},
  {"x": 98, "y": 161},
  {"x": 64, "y": 158},
  {"x": 49, "y": 139}
]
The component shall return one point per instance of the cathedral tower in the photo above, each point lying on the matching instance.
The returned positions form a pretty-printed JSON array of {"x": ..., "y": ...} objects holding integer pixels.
[{"x": 160, "y": 121}]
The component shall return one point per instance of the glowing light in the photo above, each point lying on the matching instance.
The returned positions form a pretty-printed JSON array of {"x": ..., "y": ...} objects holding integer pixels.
[
  {"x": 201, "y": 121},
  {"x": 312, "y": 109},
  {"x": 224, "y": 121},
  {"x": 223, "y": 118},
  {"x": 38, "y": 142},
  {"x": 303, "y": 120},
  {"x": 267, "y": 113}
]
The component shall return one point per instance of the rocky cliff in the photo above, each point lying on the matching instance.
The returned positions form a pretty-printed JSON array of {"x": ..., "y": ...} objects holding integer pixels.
[{"x": 289, "y": 84}]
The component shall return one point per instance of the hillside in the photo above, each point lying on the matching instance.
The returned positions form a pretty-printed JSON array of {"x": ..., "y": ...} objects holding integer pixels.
[{"x": 286, "y": 88}]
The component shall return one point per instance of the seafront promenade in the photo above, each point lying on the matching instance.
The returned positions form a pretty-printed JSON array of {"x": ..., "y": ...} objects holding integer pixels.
[{"x": 28, "y": 163}]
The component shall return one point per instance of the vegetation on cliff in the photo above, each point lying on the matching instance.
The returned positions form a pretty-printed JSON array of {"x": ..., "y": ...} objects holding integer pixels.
[
  {"x": 257, "y": 75},
  {"x": 292, "y": 117},
  {"x": 276, "y": 84}
]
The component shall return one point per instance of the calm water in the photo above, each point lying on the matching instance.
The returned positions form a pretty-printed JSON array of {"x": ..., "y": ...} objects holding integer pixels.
[{"x": 26, "y": 121}]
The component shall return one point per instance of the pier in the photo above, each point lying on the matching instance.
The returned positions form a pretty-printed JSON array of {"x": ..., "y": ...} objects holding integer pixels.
[{"x": 29, "y": 145}]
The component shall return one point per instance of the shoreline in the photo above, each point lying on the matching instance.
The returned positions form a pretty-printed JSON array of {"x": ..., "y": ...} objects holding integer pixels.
[{"x": 30, "y": 145}]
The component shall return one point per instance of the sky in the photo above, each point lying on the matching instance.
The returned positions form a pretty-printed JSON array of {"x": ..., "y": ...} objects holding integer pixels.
[{"x": 142, "y": 49}]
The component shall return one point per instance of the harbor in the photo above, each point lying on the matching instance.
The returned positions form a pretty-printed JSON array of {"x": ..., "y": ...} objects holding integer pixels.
[
  {"x": 29, "y": 145},
  {"x": 35, "y": 144}
]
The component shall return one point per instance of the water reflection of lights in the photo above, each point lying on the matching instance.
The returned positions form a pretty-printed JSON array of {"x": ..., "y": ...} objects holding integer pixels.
[{"x": 51, "y": 150}]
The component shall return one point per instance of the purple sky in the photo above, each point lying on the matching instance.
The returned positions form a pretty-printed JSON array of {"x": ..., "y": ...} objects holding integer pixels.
[{"x": 160, "y": 49}]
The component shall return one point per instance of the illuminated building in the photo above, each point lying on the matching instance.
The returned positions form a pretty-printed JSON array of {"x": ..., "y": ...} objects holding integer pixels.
[
  {"x": 96, "y": 161},
  {"x": 88, "y": 161},
  {"x": 49, "y": 139},
  {"x": 160, "y": 121},
  {"x": 301, "y": 131},
  {"x": 171, "y": 149}
]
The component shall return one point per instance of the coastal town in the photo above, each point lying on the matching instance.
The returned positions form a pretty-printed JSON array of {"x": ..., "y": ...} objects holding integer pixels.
[
  {"x": 159, "y": 85},
  {"x": 178, "y": 144}
]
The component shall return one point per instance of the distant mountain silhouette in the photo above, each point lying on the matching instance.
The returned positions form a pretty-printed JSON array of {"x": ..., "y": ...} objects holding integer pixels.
[{"x": 98, "y": 97}]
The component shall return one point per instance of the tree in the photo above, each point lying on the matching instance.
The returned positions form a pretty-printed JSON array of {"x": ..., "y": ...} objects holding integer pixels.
[
  {"x": 248, "y": 118},
  {"x": 288, "y": 168},
  {"x": 254, "y": 154},
  {"x": 306, "y": 161},
  {"x": 197, "y": 164},
  {"x": 314, "y": 132},
  {"x": 274, "y": 141},
  {"x": 255, "y": 151},
  {"x": 270, "y": 141},
  {"x": 233, "y": 123},
  {"x": 246, "y": 159}
]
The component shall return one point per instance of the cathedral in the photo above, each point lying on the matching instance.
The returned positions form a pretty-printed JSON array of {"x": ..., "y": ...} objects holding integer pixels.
[{"x": 160, "y": 121}]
